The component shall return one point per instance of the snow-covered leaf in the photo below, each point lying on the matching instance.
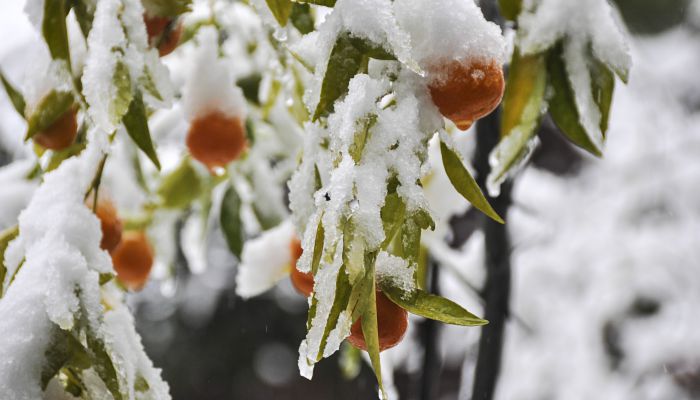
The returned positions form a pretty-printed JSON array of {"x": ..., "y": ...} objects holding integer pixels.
[
  {"x": 15, "y": 96},
  {"x": 302, "y": 18},
  {"x": 50, "y": 108},
  {"x": 522, "y": 108},
  {"x": 230, "y": 219},
  {"x": 6, "y": 237},
  {"x": 562, "y": 104},
  {"x": 281, "y": 9},
  {"x": 53, "y": 28},
  {"x": 136, "y": 124},
  {"x": 327, "y": 3},
  {"x": 65, "y": 350},
  {"x": 103, "y": 364},
  {"x": 124, "y": 95},
  {"x": 370, "y": 325},
  {"x": 344, "y": 63},
  {"x": 463, "y": 181},
  {"x": 179, "y": 188},
  {"x": 430, "y": 306},
  {"x": 603, "y": 85},
  {"x": 84, "y": 12}
]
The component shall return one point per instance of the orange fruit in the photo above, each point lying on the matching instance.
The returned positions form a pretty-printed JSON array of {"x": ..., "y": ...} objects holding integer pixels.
[
  {"x": 110, "y": 223},
  {"x": 163, "y": 33},
  {"x": 303, "y": 282},
  {"x": 133, "y": 259},
  {"x": 470, "y": 90},
  {"x": 392, "y": 322},
  {"x": 60, "y": 134},
  {"x": 216, "y": 139}
]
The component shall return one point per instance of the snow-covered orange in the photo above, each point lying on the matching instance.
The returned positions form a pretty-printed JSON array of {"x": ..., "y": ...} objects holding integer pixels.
[
  {"x": 163, "y": 33},
  {"x": 215, "y": 139},
  {"x": 60, "y": 134},
  {"x": 303, "y": 282},
  {"x": 467, "y": 91},
  {"x": 392, "y": 322},
  {"x": 133, "y": 259},
  {"x": 110, "y": 223}
]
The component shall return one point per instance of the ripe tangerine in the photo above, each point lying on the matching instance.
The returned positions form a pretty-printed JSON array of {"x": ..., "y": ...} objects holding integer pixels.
[
  {"x": 163, "y": 33},
  {"x": 303, "y": 282},
  {"x": 133, "y": 259},
  {"x": 468, "y": 92},
  {"x": 60, "y": 134},
  {"x": 392, "y": 322},
  {"x": 216, "y": 139},
  {"x": 110, "y": 223}
]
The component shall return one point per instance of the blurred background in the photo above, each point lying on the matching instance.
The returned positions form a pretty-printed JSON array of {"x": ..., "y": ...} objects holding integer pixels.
[{"x": 605, "y": 259}]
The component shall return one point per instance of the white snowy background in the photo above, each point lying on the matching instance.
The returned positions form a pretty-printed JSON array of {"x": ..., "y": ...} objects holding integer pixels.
[{"x": 593, "y": 254}]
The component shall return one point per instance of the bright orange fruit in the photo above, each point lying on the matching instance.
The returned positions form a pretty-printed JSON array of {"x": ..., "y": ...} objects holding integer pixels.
[
  {"x": 60, "y": 134},
  {"x": 470, "y": 90},
  {"x": 163, "y": 33},
  {"x": 133, "y": 259},
  {"x": 303, "y": 282},
  {"x": 110, "y": 223},
  {"x": 216, "y": 139},
  {"x": 392, "y": 322}
]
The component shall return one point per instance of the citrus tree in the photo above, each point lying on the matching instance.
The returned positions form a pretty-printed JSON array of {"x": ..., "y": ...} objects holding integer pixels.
[{"x": 357, "y": 107}]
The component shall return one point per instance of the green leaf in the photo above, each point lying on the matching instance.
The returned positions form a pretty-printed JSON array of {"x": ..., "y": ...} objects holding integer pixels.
[
  {"x": 182, "y": 186},
  {"x": 430, "y": 306},
  {"x": 53, "y": 27},
  {"x": 370, "y": 326},
  {"x": 251, "y": 87},
  {"x": 148, "y": 84},
  {"x": 464, "y": 183},
  {"x": 230, "y": 219},
  {"x": 64, "y": 350},
  {"x": 58, "y": 156},
  {"x": 302, "y": 19},
  {"x": 327, "y": 3},
  {"x": 392, "y": 217},
  {"x": 103, "y": 365},
  {"x": 318, "y": 247},
  {"x": 522, "y": 108},
  {"x": 167, "y": 8},
  {"x": 344, "y": 63},
  {"x": 136, "y": 124},
  {"x": 372, "y": 50},
  {"x": 141, "y": 384},
  {"x": 281, "y": 9},
  {"x": 124, "y": 95},
  {"x": 84, "y": 12},
  {"x": 562, "y": 104},
  {"x": 15, "y": 96},
  {"x": 50, "y": 108},
  {"x": 602, "y": 87},
  {"x": 361, "y": 137},
  {"x": 343, "y": 290},
  {"x": 6, "y": 237},
  {"x": 510, "y": 9}
]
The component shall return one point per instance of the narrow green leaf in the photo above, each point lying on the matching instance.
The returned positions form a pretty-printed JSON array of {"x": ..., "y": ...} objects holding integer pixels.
[
  {"x": 562, "y": 105},
  {"x": 136, "y": 124},
  {"x": 372, "y": 50},
  {"x": 64, "y": 350},
  {"x": 15, "y": 96},
  {"x": 58, "y": 156},
  {"x": 370, "y": 328},
  {"x": 230, "y": 219},
  {"x": 103, "y": 365},
  {"x": 430, "y": 306},
  {"x": 281, "y": 9},
  {"x": 392, "y": 217},
  {"x": 344, "y": 63},
  {"x": 50, "y": 108},
  {"x": 182, "y": 186},
  {"x": 141, "y": 384},
  {"x": 464, "y": 183},
  {"x": 6, "y": 237},
  {"x": 302, "y": 19},
  {"x": 318, "y": 247},
  {"x": 602, "y": 86},
  {"x": 124, "y": 95},
  {"x": 53, "y": 28},
  {"x": 327, "y": 3},
  {"x": 148, "y": 84},
  {"x": 343, "y": 290},
  {"x": 523, "y": 105},
  {"x": 361, "y": 137},
  {"x": 84, "y": 12},
  {"x": 510, "y": 9}
]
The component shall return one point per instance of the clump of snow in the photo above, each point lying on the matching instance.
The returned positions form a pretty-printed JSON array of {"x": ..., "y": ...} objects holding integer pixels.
[
  {"x": 446, "y": 30},
  {"x": 266, "y": 260},
  {"x": 396, "y": 272},
  {"x": 42, "y": 76},
  {"x": 210, "y": 85}
]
